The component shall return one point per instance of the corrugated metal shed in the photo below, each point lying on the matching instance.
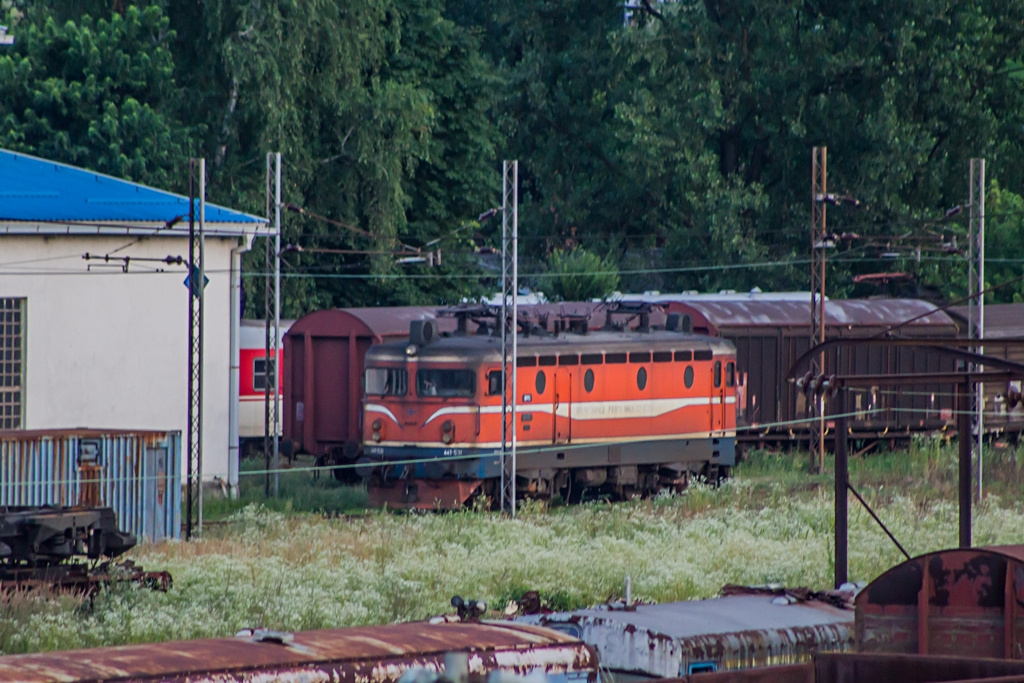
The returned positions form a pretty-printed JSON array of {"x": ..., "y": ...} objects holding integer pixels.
[
  {"x": 948, "y": 602},
  {"x": 46, "y": 197},
  {"x": 138, "y": 474}
]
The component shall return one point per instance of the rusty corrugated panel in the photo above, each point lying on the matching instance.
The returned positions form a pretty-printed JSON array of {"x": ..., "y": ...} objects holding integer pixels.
[
  {"x": 137, "y": 474},
  {"x": 358, "y": 655},
  {"x": 947, "y": 602},
  {"x": 735, "y": 632}
]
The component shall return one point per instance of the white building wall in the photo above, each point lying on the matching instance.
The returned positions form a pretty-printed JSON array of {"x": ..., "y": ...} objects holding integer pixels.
[{"x": 109, "y": 349}]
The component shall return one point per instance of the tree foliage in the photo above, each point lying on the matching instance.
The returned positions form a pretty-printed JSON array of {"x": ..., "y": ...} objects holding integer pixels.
[
  {"x": 675, "y": 139},
  {"x": 578, "y": 275},
  {"x": 96, "y": 92}
]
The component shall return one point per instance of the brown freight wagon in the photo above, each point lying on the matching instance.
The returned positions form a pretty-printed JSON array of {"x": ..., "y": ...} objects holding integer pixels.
[
  {"x": 770, "y": 335},
  {"x": 1004, "y": 413},
  {"x": 323, "y": 368}
]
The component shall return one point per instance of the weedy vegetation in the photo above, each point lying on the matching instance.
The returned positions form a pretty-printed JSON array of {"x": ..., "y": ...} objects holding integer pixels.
[{"x": 270, "y": 565}]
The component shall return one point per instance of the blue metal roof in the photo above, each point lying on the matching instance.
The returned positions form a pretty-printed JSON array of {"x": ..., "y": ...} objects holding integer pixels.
[{"x": 35, "y": 190}]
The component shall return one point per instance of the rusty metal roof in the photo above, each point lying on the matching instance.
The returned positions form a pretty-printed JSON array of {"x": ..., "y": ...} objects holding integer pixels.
[
  {"x": 360, "y": 649},
  {"x": 855, "y": 312},
  {"x": 658, "y": 639}
]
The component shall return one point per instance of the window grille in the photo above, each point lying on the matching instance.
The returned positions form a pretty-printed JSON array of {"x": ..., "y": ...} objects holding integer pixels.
[{"x": 12, "y": 362}]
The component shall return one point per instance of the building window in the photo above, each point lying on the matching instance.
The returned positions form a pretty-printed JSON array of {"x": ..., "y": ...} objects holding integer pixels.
[
  {"x": 259, "y": 374},
  {"x": 12, "y": 362}
]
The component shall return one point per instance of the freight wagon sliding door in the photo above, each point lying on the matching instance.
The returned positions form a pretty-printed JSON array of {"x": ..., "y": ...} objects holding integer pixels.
[{"x": 562, "y": 407}]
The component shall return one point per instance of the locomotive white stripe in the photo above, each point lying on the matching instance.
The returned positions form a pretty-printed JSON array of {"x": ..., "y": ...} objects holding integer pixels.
[
  {"x": 587, "y": 410},
  {"x": 375, "y": 408},
  {"x": 547, "y": 443}
]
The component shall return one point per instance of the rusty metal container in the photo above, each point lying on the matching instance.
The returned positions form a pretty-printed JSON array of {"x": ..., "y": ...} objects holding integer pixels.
[
  {"x": 380, "y": 654},
  {"x": 950, "y": 602},
  {"x": 740, "y": 631},
  {"x": 137, "y": 473}
]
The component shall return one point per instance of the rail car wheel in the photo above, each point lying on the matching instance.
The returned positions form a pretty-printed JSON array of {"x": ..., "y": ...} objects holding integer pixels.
[{"x": 342, "y": 461}]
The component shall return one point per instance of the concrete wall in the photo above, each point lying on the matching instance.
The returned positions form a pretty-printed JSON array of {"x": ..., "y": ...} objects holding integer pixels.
[{"x": 108, "y": 349}]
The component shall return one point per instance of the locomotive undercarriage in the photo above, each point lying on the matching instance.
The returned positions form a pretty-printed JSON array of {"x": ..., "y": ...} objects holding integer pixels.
[{"x": 611, "y": 471}]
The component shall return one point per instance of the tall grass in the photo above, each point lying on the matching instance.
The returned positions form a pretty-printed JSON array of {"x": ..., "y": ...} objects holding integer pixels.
[{"x": 293, "y": 571}]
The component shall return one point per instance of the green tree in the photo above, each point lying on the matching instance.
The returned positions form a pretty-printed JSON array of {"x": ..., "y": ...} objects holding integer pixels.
[
  {"x": 578, "y": 275},
  {"x": 1004, "y": 245},
  {"x": 98, "y": 93}
]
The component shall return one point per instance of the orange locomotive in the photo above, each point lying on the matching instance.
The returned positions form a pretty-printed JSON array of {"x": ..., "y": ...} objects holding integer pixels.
[{"x": 626, "y": 412}]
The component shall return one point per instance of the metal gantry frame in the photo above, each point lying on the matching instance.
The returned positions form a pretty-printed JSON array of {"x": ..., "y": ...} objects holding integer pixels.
[
  {"x": 196, "y": 281},
  {"x": 509, "y": 324},
  {"x": 976, "y": 303},
  {"x": 272, "y": 319},
  {"x": 819, "y": 191}
]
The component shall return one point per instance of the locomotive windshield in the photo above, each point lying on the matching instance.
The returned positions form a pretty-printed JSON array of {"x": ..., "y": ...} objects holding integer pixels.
[
  {"x": 387, "y": 381},
  {"x": 446, "y": 383}
]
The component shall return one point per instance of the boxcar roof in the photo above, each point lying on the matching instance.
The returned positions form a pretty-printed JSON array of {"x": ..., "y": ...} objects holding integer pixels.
[
  {"x": 335, "y": 645},
  {"x": 855, "y": 312},
  {"x": 715, "y": 616},
  {"x": 1001, "y": 320}
]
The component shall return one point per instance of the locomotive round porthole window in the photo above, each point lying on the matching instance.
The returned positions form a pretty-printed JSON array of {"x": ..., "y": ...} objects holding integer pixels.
[
  {"x": 542, "y": 381},
  {"x": 641, "y": 378},
  {"x": 588, "y": 381},
  {"x": 688, "y": 376}
]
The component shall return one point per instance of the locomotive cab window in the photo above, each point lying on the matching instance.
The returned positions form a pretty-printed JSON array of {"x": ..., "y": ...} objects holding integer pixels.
[
  {"x": 260, "y": 375},
  {"x": 387, "y": 381},
  {"x": 718, "y": 373},
  {"x": 445, "y": 383},
  {"x": 730, "y": 375},
  {"x": 494, "y": 383}
]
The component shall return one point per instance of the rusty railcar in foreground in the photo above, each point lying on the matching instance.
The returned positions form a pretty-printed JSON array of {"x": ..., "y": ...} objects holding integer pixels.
[
  {"x": 746, "y": 630},
  {"x": 379, "y": 654},
  {"x": 950, "y": 602}
]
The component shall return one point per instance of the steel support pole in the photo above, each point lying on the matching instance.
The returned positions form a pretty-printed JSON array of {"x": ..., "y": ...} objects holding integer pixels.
[
  {"x": 963, "y": 419},
  {"x": 509, "y": 325},
  {"x": 196, "y": 278},
  {"x": 976, "y": 304},
  {"x": 273, "y": 371},
  {"x": 272, "y": 343},
  {"x": 819, "y": 191},
  {"x": 842, "y": 479},
  {"x": 202, "y": 317}
]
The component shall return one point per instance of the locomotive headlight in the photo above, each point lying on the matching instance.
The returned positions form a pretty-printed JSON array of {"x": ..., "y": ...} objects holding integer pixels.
[
  {"x": 377, "y": 424},
  {"x": 447, "y": 431},
  {"x": 376, "y": 437}
]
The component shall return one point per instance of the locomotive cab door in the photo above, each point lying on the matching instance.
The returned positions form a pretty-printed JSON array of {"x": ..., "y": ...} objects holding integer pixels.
[
  {"x": 717, "y": 396},
  {"x": 561, "y": 407}
]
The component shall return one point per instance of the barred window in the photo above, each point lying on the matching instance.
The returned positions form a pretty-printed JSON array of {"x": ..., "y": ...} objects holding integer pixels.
[{"x": 12, "y": 362}]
